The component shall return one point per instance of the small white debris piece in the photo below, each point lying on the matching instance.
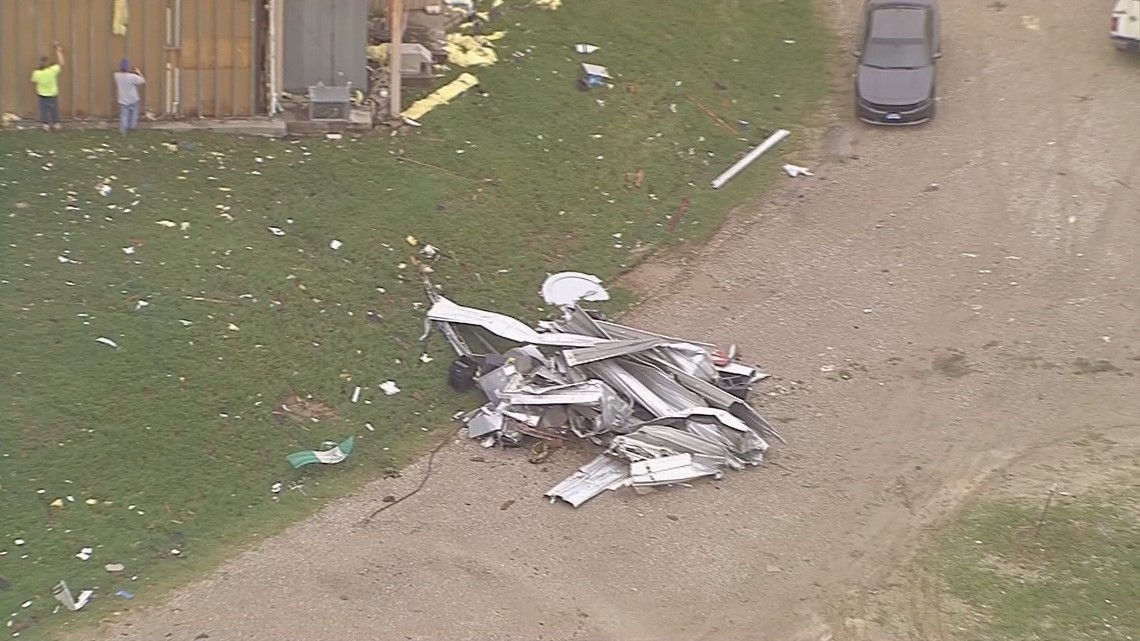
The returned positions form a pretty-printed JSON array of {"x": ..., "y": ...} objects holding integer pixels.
[
  {"x": 402, "y": 266},
  {"x": 84, "y": 554},
  {"x": 334, "y": 136},
  {"x": 796, "y": 170},
  {"x": 114, "y": 567},
  {"x": 389, "y": 388},
  {"x": 276, "y": 231},
  {"x": 184, "y": 225},
  {"x": 789, "y": 42},
  {"x": 335, "y": 245},
  {"x": 586, "y": 48},
  {"x": 429, "y": 251},
  {"x": 166, "y": 223},
  {"x": 108, "y": 342},
  {"x": 128, "y": 250},
  {"x": 104, "y": 189},
  {"x": 63, "y": 594},
  {"x": 424, "y": 358},
  {"x": 26, "y": 604},
  {"x": 370, "y": 428},
  {"x": 275, "y": 488},
  {"x": 356, "y": 394},
  {"x": 19, "y": 541},
  {"x": 185, "y": 323},
  {"x": 64, "y": 259},
  {"x": 141, "y": 304},
  {"x": 175, "y": 552},
  {"x": 232, "y": 327},
  {"x": 411, "y": 240}
]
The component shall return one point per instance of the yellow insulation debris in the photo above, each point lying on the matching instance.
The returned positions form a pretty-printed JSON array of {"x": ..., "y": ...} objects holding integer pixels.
[
  {"x": 379, "y": 53},
  {"x": 472, "y": 51},
  {"x": 441, "y": 96},
  {"x": 120, "y": 14}
]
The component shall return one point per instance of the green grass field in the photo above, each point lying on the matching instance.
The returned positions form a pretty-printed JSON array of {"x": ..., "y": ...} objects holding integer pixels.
[
  {"x": 170, "y": 441},
  {"x": 1077, "y": 578}
]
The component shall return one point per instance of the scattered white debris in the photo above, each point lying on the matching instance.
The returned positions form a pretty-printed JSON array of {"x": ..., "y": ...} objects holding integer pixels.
[
  {"x": 356, "y": 394},
  {"x": 370, "y": 428},
  {"x": 184, "y": 225},
  {"x": 429, "y": 251},
  {"x": 796, "y": 170},
  {"x": 789, "y": 42},
  {"x": 84, "y": 554},
  {"x": 334, "y": 136},
  {"x": 128, "y": 250},
  {"x": 104, "y": 189},
  {"x": 114, "y": 567},
  {"x": 276, "y": 231},
  {"x": 141, "y": 304},
  {"x": 108, "y": 342},
  {"x": 232, "y": 327},
  {"x": 586, "y": 48},
  {"x": 275, "y": 488},
  {"x": 424, "y": 358},
  {"x": 335, "y": 245},
  {"x": 389, "y": 388},
  {"x": 19, "y": 541}
]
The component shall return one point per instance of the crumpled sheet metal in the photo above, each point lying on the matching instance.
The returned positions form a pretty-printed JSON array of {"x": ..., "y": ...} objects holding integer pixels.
[
  {"x": 586, "y": 355},
  {"x": 668, "y": 470},
  {"x": 614, "y": 412},
  {"x": 601, "y": 474},
  {"x": 505, "y": 326}
]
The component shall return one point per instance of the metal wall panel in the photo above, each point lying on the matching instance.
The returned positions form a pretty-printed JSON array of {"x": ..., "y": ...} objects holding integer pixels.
[
  {"x": 325, "y": 41},
  {"x": 200, "y": 57}
]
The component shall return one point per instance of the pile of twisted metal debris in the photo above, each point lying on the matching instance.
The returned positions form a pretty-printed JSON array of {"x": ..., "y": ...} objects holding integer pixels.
[{"x": 666, "y": 410}]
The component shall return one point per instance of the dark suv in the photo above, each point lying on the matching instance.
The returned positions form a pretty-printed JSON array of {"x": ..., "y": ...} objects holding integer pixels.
[{"x": 894, "y": 79}]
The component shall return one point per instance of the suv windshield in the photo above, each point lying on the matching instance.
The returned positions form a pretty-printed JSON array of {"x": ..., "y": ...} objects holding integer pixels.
[{"x": 896, "y": 53}]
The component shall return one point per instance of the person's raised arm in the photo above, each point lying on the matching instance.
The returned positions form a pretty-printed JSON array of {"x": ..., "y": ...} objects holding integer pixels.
[{"x": 59, "y": 59}]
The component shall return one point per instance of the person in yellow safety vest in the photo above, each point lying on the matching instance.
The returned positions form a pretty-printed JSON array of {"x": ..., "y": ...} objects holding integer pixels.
[{"x": 46, "y": 80}]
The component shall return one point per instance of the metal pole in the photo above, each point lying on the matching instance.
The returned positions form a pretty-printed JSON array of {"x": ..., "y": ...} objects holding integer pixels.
[
  {"x": 749, "y": 158},
  {"x": 396, "y": 26}
]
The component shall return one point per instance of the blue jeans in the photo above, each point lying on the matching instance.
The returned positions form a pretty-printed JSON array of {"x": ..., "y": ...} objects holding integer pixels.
[
  {"x": 49, "y": 110},
  {"x": 128, "y": 117}
]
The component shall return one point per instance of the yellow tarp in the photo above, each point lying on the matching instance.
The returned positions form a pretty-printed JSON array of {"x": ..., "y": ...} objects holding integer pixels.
[
  {"x": 441, "y": 96},
  {"x": 472, "y": 51},
  {"x": 119, "y": 16}
]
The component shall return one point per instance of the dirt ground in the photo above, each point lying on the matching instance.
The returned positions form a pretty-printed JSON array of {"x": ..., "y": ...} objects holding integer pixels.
[{"x": 935, "y": 302}]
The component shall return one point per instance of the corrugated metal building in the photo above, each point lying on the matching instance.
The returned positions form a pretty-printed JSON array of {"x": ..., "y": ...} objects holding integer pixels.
[{"x": 201, "y": 58}]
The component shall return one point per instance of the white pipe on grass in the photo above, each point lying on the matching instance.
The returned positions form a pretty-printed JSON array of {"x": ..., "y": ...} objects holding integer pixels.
[{"x": 750, "y": 157}]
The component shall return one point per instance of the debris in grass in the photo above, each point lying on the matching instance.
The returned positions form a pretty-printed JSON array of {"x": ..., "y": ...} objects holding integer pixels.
[
  {"x": 128, "y": 250},
  {"x": 335, "y": 244},
  {"x": 166, "y": 223},
  {"x": 84, "y": 554},
  {"x": 750, "y": 157},
  {"x": 586, "y": 48},
  {"x": 108, "y": 342},
  {"x": 424, "y": 358},
  {"x": 125, "y": 594},
  {"x": 276, "y": 231},
  {"x": 429, "y": 251},
  {"x": 389, "y": 388},
  {"x": 114, "y": 567},
  {"x": 63, "y": 594},
  {"x": 328, "y": 457},
  {"x": 594, "y": 76},
  {"x": 356, "y": 394},
  {"x": 567, "y": 288},
  {"x": 275, "y": 488},
  {"x": 796, "y": 170}
]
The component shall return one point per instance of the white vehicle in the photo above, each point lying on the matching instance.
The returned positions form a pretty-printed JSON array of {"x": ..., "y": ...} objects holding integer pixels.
[{"x": 1125, "y": 33}]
